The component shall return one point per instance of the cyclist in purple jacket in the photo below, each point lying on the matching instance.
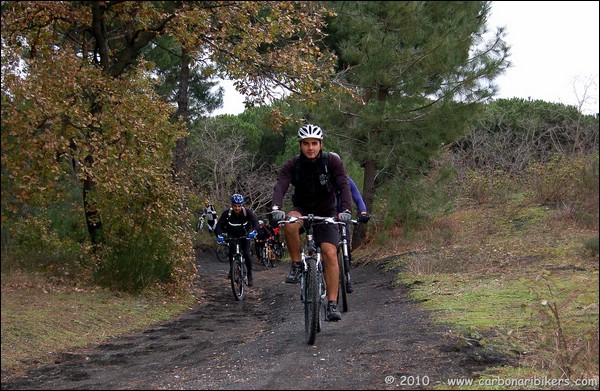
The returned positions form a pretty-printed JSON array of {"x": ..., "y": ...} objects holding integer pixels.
[
  {"x": 314, "y": 193},
  {"x": 363, "y": 218}
]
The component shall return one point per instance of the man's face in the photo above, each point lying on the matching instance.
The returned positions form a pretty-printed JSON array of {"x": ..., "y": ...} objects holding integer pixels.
[
  {"x": 310, "y": 147},
  {"x": 236, "y": 208}
]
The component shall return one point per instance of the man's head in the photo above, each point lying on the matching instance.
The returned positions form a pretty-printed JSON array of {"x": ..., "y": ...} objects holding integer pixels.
[
  {"x": 206, "y": 202},
  {"x": 310, "y": 138},
  {"x": 237, "y": 200}
]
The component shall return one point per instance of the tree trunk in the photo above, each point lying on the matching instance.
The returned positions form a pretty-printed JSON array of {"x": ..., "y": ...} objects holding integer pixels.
[
  {"x": 368, "y": 197},
  {"x": 92, "y": 217}
]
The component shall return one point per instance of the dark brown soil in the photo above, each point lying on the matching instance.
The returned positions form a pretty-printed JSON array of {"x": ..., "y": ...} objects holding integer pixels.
[{"x": 384, "y": 341}]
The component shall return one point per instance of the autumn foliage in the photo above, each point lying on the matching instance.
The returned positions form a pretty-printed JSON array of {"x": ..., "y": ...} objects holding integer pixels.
[{"x": 83, "y": 128}]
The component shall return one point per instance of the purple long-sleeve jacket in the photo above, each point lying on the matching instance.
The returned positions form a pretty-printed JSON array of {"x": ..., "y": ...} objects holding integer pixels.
[
  {"x": 309, "y": 194},
  {"x": 358, "y": 200},
  {"x": 356, "y": 197}
]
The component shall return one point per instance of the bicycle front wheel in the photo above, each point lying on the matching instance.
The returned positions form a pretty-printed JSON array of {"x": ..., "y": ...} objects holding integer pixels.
[
  {"x": 311, "y": 301},
  {"x": 342, "y": 294},
  {"x": 222, "y": 252},
  {"x": 237, "y": 277}
]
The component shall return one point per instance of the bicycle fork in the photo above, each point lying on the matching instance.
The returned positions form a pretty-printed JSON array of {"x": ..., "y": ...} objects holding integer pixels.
[
  {"x": 345, "y": 251},
  {"x": 304, "y": 266},
  {"x": 238, "y": 258}
]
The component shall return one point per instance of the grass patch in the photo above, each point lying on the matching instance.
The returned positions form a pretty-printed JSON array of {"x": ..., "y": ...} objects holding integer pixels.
[
  {"x": 519, "y": 278},
  {"x": 475, "y": 303},
  {"x": 41, "y": 318}
]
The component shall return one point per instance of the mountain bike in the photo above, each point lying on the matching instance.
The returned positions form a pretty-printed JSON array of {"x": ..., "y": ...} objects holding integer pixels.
[
  {"x": 312, "y": 282},
  {"x": 239, "y": 274},
  {"x": 200, "y": 224},
  {"x": 266, "y": 255},
  {"x": 343, "y": 254},
  {"x": 210, "y": 227},
  {"x": 278, "y": 248}
]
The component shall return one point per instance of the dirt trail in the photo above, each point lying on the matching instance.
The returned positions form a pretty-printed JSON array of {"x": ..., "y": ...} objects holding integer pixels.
[{"x": 259, "y": 343}]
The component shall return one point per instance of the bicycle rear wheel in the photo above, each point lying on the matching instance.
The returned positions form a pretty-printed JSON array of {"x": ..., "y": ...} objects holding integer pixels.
[
  {"x": 222, "y": 252},
  {"x": 311, "y": 301},
  {"x": 342, "y": 294},
  {"x": 237, "y": 277}
]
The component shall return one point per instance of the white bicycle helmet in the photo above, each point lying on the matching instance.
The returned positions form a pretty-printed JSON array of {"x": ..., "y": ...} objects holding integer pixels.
[{"x": 310, "y": 131}]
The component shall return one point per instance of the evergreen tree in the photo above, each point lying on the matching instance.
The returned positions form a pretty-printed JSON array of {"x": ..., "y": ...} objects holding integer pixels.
[{"x": 416, "y": 72}]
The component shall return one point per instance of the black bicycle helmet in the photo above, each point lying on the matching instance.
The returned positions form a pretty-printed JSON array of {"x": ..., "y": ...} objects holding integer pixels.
[
  {"x": 237, "y": 199},
  {"x": 310, "y": 131}
]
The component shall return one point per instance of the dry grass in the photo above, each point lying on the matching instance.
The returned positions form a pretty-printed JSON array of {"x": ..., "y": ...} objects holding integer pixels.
[{"x": 42, "y": 316}]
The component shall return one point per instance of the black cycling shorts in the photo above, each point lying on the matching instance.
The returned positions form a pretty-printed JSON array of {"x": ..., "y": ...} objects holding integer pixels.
[{"x": 328, "y": 233}]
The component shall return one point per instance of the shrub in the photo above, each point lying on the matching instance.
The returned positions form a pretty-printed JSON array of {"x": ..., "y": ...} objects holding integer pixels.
[
  {"x": 567, "y": 182},
  {"x": 32, "y": 243}
]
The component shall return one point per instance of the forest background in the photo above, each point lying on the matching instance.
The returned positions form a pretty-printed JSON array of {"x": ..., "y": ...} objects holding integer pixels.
[{"x": 108, "y": 150}]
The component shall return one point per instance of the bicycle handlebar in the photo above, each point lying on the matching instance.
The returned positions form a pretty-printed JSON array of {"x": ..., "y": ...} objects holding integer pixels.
[
  {"x": 228, "y": 238},
  {"x": 317, "y": 219},
  {"x": 269, "y": 239}
]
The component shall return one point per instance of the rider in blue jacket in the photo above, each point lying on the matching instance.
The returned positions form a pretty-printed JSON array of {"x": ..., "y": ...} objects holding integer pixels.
[{"x": 238, "y": 221}]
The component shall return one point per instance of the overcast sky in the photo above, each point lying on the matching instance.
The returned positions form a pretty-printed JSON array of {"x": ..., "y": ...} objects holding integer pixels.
[
  {"x": 554, "y": 46},
  {"x": 554, "y": 53}
]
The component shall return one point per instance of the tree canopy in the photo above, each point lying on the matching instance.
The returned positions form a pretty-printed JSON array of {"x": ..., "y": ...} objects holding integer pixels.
[{"x": 79, "y": 102}]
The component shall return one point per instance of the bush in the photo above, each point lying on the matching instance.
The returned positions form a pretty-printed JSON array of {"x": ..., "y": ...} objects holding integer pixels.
[
  {"x": 32, "y": 243},
  {"x": 567, "y": 182},
  {"x": 143, "y": 249},
  {"x": 136, "y": 264}
]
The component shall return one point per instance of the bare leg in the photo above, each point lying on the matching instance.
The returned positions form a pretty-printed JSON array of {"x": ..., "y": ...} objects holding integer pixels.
[{"x": 292, "y": 237}]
